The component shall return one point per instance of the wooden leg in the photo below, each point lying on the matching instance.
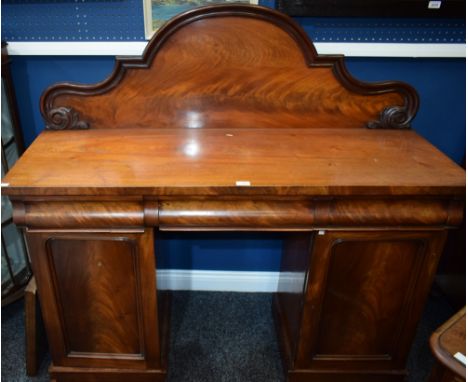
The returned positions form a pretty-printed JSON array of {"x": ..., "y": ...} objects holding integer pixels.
[
  {"x": 30, "y": 327},
  {"x": 35, "y": 339}
]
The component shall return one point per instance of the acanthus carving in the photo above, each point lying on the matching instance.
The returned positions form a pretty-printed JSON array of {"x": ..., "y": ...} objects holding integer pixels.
[
  {"x": 65, "y": 118},
  {"x": 392, "y": 117}
]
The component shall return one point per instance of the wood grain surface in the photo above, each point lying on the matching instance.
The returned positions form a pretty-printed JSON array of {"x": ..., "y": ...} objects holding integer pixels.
[
  {"x": 321, "y": 212},
  {"x": 364, "y": 310},
  {"x": 230, "y": 64},
  {"x": 86, "y": 214},
  {"x": 211, "y": 161},
  {"x": 365, "y": 293},
  {"x": 88, "y": 273},
  {"x": 98, "y": 299}
]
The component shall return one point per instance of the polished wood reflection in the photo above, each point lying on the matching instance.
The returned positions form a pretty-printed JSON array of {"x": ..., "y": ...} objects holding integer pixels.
[
  {"x": 210, "y": 162},
  {"x": 230, "y": 65}
]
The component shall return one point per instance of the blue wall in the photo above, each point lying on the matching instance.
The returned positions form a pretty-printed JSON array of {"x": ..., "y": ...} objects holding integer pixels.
[
  {"x": 441, "y": 86},
  {"x": 122, "y": 20},
  {"x": 72, "y": 20},
  {"x": 233, "y": 251},
  {"x": 33, "y": 74}
]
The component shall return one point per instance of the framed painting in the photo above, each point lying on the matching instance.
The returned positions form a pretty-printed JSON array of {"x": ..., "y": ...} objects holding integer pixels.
[{"x": 157, "y": 12}]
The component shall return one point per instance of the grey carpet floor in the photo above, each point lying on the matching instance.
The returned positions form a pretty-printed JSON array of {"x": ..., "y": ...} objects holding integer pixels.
[{"x": 219, "y": 337}]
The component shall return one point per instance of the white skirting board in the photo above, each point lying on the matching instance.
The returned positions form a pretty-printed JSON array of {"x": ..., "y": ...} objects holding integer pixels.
[{"x": 227, "y": 281}]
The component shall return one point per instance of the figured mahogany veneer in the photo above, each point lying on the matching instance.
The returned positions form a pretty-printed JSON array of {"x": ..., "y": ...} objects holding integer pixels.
[
  {"x": 238, "y": 214},
  {"x": 225, "y": 65},
  {"x": 231, "y": 121}
]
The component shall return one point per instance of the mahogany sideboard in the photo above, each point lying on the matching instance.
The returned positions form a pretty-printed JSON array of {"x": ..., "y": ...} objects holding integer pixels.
[{"x": 230, "y": 120}]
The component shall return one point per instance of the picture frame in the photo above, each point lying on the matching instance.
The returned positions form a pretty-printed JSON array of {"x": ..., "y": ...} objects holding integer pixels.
[{"x": 157, "y": 12}]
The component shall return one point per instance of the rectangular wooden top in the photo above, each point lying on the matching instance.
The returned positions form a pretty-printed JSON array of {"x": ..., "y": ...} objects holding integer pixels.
[{"x": 305, "y": 162}]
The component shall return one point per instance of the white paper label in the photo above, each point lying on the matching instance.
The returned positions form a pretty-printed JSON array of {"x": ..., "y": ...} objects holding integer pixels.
[
  {"x": 243, "y": 183},
  {"x": 460, "y": 357},
  {"x": 434, "y": 4}
]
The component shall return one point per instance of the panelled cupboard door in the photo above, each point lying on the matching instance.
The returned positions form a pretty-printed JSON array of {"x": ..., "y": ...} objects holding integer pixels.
[
  {"x": 364, "y": 297},
  {"x": 98, "y": 297}
]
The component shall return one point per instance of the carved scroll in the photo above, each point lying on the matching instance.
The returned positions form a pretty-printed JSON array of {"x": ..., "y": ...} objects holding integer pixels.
[
  {"x": 394, "y": 117},
  {"x": 64, "y": 118}
]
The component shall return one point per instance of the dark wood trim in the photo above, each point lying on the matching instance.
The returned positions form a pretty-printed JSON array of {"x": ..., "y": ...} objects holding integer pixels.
[
  {"x": 5, "y": 165},
  {"x": 164, "y": 316},
  {"x": 63, "y": 117},
  {"x": 166, "y": 193},
  {"x": 442, "y": 355}
]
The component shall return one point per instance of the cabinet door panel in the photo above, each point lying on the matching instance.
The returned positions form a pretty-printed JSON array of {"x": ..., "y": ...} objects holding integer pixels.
[
  {"x": 96, "y": 281},
  {"x": 364, "y": 297},
  {"x": 368, "y": 287},
  {"x": 98, "y": 297}
]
